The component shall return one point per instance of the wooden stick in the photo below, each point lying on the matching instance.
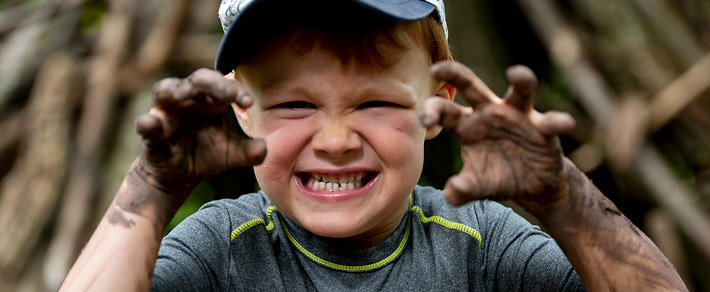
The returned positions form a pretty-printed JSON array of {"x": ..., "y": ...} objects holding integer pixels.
[
  {"x": 672, "y": 99},
  {"x": 670, "y": 27}
]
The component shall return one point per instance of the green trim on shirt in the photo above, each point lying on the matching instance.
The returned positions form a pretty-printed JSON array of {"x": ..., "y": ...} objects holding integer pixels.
[
  {"x": 415, "y": 209},
  {"x": 254, "y": 222},
  {"x": 446, "y": 223},
  {"x": 345, "y": 267}
]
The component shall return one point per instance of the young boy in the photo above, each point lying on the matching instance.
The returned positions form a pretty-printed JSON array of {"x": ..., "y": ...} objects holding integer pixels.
[{"x": 344, "y": 94}]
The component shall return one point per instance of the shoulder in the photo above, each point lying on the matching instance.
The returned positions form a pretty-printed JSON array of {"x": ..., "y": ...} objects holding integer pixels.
[
  {"x": 487, "y": 218},
  {"x": 234, "y": 212},
  {"x": 223, "y": 215},
  {"x": 432, "y": 201},
  {"x": 247, "y": 203}
]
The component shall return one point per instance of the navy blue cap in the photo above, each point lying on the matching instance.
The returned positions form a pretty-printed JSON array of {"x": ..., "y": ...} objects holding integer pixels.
[{"x": 238, "y": 15}]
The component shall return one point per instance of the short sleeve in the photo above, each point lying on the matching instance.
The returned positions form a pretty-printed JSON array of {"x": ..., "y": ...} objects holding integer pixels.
[
  {"x": 195, "y": 255},
  {"x": 520, "y": 257}
]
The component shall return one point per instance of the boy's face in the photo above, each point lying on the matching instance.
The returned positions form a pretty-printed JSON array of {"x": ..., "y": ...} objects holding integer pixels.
[{"x": 345, "y": 146}]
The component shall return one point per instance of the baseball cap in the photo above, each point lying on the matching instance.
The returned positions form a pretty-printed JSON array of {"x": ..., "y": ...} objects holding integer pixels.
[{"x": 239, "y": 17}]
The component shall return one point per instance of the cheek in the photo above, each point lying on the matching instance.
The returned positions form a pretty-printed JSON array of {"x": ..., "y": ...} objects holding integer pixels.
[
  {"x": 402, "y": 125},
  {"x": 408, "y": 125},
  {"x": 284, "y": 142},
  {"x": 401, "y": 148},
  {"x": 398, "y": 133}
]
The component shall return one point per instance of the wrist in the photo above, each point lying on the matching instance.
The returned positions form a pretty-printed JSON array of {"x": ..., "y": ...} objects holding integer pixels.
[
  {"x": 555, "y": 197},
  {"x": 144, "y": 175},
  {"x": 572, "y": 203},
  {"x": 152, "y": 197}
]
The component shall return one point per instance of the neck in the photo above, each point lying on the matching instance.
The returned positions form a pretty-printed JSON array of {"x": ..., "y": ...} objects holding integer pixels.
[{"x": 373, "y": 237}]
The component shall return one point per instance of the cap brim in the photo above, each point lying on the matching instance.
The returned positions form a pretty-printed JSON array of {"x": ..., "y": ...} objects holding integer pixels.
[{"x": 240, "y": 40}]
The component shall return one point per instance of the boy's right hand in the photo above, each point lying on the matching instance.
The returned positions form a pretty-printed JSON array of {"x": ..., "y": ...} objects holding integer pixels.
[{"x": 186, "y": 137}]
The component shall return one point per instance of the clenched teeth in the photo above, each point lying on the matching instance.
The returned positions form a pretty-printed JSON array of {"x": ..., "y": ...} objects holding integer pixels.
[{"x": 332, "y": 182}]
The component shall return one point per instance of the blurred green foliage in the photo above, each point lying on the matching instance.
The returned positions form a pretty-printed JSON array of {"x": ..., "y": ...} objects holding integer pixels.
[
  {"x": 203, "y": 193},
  {"x": 92, "y": 15}
]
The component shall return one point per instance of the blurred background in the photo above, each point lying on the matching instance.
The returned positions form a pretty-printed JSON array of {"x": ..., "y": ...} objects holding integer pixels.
[{"x": 75, "y": 74}]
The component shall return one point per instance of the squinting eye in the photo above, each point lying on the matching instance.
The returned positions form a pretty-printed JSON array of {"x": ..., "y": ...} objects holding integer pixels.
[
  {"x": 295, "y": 104},
  {"x": 378, "y": 103}
]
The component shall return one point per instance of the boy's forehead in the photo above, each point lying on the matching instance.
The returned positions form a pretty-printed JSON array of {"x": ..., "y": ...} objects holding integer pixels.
[{"x": 245, "y": 20}]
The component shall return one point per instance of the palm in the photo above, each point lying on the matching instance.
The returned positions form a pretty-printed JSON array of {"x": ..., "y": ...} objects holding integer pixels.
[{"x": 509, "y": 150}]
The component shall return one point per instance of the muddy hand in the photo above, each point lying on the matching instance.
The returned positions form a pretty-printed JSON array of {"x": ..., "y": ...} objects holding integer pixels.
[
  {"x": 510, "y": 151},
  {"x": 185, "y": 134}
]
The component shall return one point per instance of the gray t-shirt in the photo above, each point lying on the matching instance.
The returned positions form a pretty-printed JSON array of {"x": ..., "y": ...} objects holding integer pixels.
[{"x": 246, "y": 244}]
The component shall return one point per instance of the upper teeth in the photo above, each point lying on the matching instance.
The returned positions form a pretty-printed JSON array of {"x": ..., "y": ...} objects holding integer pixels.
[{"x": 332, "y": 182}]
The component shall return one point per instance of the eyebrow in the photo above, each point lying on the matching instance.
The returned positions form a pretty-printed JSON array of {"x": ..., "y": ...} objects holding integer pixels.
[
  {"x": 397, "y": 91},
  {"x": 401, "y": 94}
]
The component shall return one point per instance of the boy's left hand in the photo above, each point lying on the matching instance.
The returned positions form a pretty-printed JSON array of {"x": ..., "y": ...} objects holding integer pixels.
[{"x": 510, "y": 151}]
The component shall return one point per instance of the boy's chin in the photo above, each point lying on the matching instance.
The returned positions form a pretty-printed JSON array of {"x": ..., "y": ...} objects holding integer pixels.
[{"x": 336, "y": 228}]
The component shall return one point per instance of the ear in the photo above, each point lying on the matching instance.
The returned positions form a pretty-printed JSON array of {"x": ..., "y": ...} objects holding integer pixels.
[
  {"x": 241, "y": 113},
  {"x": 445, "y": 91},
  {"x": 243, "y": 119}
]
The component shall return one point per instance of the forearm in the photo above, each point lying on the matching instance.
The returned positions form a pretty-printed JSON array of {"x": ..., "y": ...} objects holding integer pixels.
[
  {"x": 119, "y": 256},
  {"x": 121, "y": 253},
  {"x": 608, "y": 252}
]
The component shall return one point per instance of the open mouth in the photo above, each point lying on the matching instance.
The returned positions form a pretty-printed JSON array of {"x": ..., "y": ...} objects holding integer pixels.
[{"x": 336, "y": 182}]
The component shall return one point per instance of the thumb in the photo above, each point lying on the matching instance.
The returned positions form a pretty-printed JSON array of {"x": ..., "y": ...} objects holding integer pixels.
[
  {"x": 244, "y": 152},
  {"x": 437, "y": 111},
  {"x": 460, "y": 190}
]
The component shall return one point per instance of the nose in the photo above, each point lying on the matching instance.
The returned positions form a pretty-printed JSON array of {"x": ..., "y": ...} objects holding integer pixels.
[{"x": 336, "y": 138}]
